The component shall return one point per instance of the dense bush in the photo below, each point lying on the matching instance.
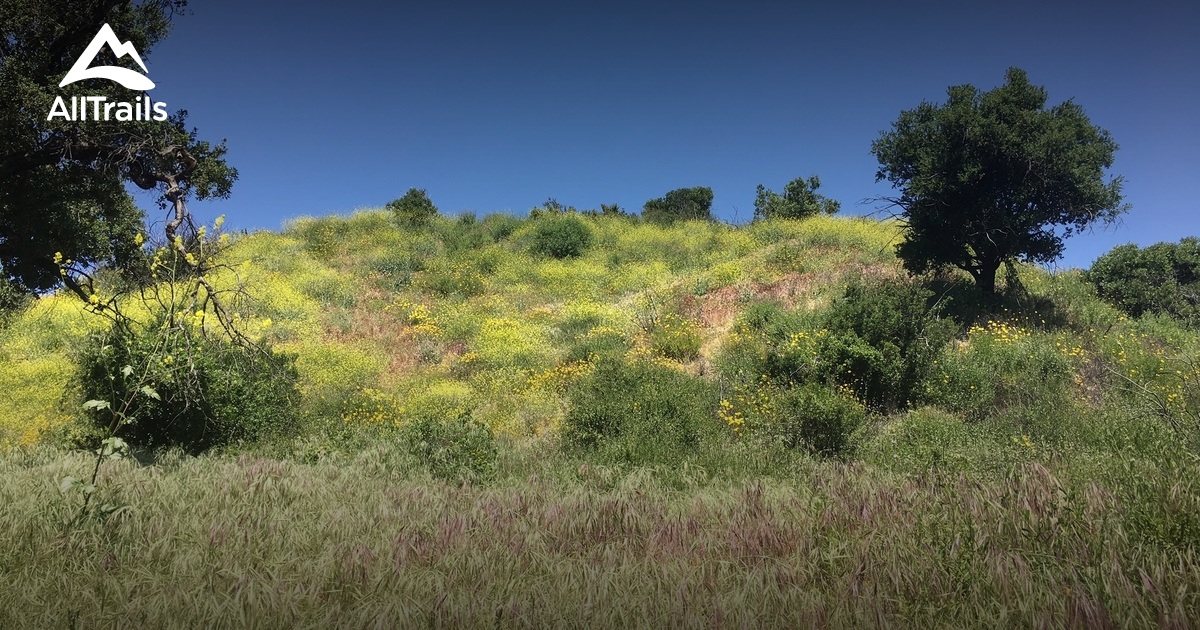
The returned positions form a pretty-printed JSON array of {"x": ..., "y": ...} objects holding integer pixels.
[
  {"x": 1162, "y": 278},
  {"x": 817, "y": 418},
  {"x": 799, "y": 200},
  {"x": 880, "y": 340},
  {"x": 500, "y": 226},
  {"x": 187, "y": 390},
  {"x": 456, "y": 448},
  {"x": 639, "y": 412},
  {"x": 12, "y": 300},
  {"x": 561, "y": 237},
  {"x": 883, "y": 342},
  {"x": 681, "y": 204},
  {"x": 414, "y": 209},
  {"x": 1007, "y": 373}
]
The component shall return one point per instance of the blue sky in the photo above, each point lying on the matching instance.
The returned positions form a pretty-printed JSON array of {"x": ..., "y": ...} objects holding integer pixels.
[{"x": 330, "y": 107}]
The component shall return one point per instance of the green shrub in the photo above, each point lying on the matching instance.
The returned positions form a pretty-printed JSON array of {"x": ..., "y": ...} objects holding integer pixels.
[
  {"x": 12, "y": 300},
  {"x": 883, "y": 341},
  {"x": 1008, "y": 374},
  {"x": 447, "y": 279},
  {"x": 501, "y": 225},
  {"x": 817, "y": 418},
  {"x": 188, "y": 390},
  {"x": 675, "y": 337},
  {"x": 561, "y": 237},
  {"x": 456, "y": 448},
  {"x": 929, "y": 440},
  {"x": 682, "y": 204},
  {"x": 639, "y": 412},
  {"x": 414, "y": 209},
  {"x": 464, "y": 234},
  {"x": 1162, "y": 278}
]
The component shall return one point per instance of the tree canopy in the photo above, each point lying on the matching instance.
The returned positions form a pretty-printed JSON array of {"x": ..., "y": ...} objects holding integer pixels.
[
  {"x": 62, "y": 182},
  {"x": 680, "y": 204},
  {"x": 414, "y": 209},
  {"x": 992, "y": 177},
  {"x": 799, "y": 199}
]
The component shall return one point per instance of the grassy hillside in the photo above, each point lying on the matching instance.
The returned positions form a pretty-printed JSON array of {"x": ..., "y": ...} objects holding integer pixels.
[{"x": 691, "y": 424}]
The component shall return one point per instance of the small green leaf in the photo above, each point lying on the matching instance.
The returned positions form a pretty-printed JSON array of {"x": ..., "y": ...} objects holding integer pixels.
[
  {"x": 127, "y": 371},
  {"x": 96, "y": 404},
  {"x": 113, "y": 448},
  {"x": 67, "y": 484},
  {"x": 149, "y": 391}
]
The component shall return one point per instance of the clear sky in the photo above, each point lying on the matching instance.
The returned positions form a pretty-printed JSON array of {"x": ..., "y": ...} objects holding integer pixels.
[{"x": 491, "y": 107}]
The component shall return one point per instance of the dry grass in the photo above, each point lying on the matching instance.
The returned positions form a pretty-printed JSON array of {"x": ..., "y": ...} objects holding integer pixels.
[{"x": 259, "y": 543}]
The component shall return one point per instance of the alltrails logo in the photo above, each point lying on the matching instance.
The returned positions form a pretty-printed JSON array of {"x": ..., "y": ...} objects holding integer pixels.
[{"x": 99, "y": 107}]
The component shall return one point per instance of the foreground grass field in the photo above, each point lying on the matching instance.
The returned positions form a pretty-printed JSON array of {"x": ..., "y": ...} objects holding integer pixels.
[
  {"x": 687, "y": 425},
  {"x": 262, "y": 543}
]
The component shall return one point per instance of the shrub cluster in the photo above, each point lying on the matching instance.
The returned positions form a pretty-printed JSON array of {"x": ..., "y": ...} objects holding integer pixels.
[
  {"x": 564, "y": 236},
  {"x": 187, "y": 390},
  {"x": 639, "y": 412},
  {"x": 799, "y": 200},
  {"x": 1162, "y": 278},
  {"x": 809, "y": 379}
]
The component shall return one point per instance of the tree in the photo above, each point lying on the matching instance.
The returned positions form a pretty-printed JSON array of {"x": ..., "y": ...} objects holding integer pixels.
[
  {"x": 414, "y": 208},
  {"x": 799, "y": 200},
  {"x": 991, "y": 177},
  {"x": 680, "y": 205},
  {"x": 62, "y": 183}
]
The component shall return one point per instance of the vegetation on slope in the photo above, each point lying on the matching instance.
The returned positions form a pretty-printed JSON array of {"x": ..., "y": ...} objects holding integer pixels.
[{"x": 943, "y": 453}]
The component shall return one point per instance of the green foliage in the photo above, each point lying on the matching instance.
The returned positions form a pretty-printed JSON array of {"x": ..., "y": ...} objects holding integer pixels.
[
  {"x": 816, "y": 418},
  {"x": 560, "y": 237},
  {"x": 63, "y": 183},
  {"x": 681, "y": 204},
  {"x": 675, "y": 337},
  {"x": 638, "y": 412},
  {"x": 550, "y": 208},
  {"x": 500, "y": 226},
  {"x": 454, "y": 448},
  {"x": 928, "y": 440},
  {"x": 883, "y": 341},
  {"x": 880, "y": 340},
  {"x": 447, "y": 279},
  {"x": 613, "y": 210},
  {"x": 414, "y": 209},
  {"x": 1009, "y": 375},
  {"x": 187, "y": 390},
  {"x": 12, "y": 301},
  {"x": 995, "y": 176},
  {"x": 799, "y": 200},
  {"x": 1162, "y": 278}
]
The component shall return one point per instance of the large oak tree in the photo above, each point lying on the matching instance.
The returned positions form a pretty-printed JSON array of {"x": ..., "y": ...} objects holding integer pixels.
[
  {"x": 62, "y": 183},
  {"x": 991, "y": 177}
]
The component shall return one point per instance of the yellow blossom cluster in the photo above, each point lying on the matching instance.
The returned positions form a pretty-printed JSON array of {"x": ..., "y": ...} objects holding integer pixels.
[
  {"x": 373, "y": 408},
  {"x": 748, "y": 402},
  {"x": 419, "y": 317},
  {"x": 562, "y": 375},
  {"x": 1000, "y": 331}
]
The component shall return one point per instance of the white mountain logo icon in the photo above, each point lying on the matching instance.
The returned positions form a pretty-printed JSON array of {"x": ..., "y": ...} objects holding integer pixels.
[{"x": 124, "y": 76}]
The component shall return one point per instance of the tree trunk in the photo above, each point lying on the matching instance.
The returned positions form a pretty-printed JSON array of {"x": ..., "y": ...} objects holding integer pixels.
[{"x": 986, "y": 278}]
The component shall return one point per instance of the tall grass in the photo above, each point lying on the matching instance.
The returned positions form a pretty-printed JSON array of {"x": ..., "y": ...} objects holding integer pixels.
[{"x": 258, "y": 543}]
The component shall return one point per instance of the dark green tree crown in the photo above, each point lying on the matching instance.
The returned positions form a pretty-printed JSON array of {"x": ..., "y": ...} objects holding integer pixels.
[{"x": 990, "y": 177}]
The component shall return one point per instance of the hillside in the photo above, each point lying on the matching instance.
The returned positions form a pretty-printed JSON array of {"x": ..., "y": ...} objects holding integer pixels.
[
  {"x": 464, "y": 313},
  {"x": 781, "y": 391}
]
